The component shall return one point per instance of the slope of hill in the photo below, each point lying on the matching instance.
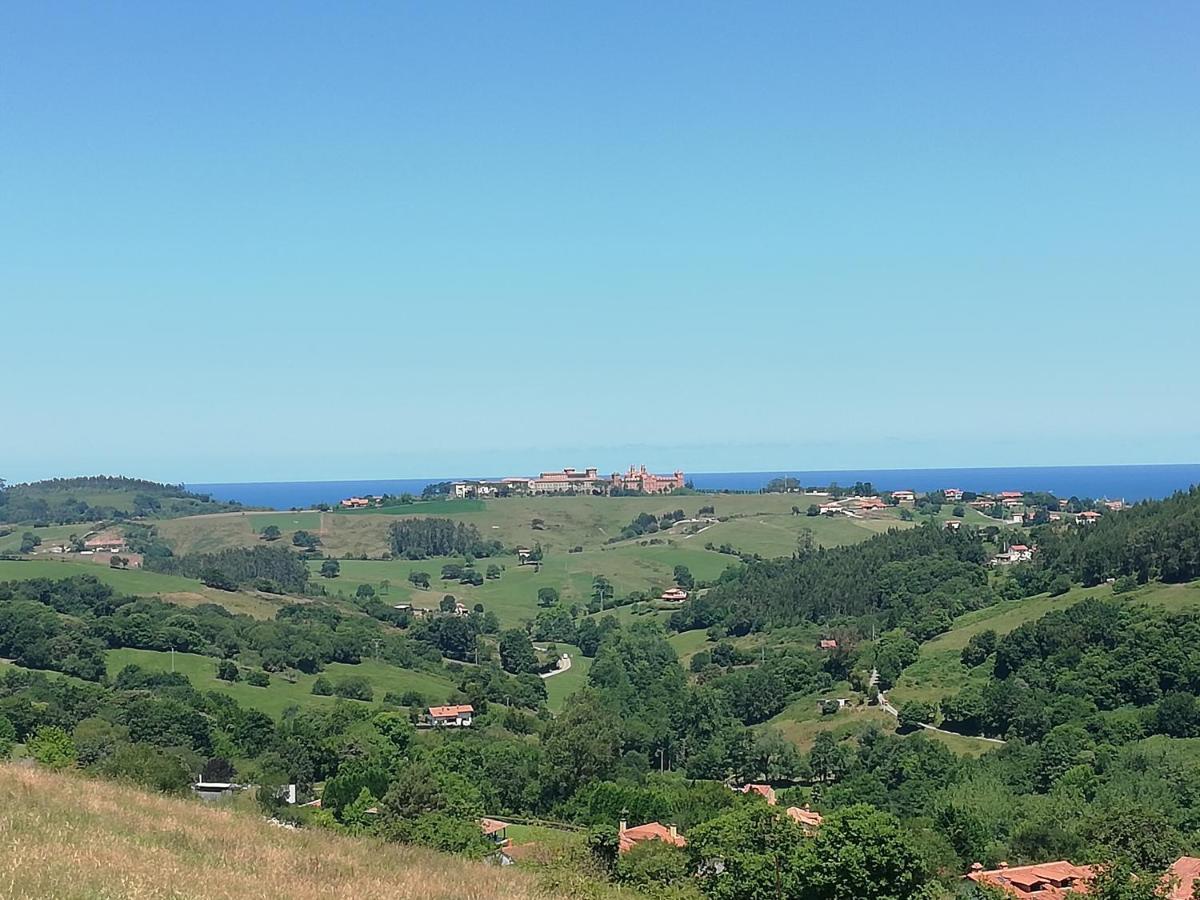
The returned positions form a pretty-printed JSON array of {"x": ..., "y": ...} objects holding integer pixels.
[
  {"x": 89, "y": 499},
  {"x": 67, "y": 836}
]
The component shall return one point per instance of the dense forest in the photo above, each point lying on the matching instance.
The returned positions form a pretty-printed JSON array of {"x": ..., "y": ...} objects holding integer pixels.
[
  {"x": 66, "y": 501},
  {"x": 274, "y": 569},
  {"x": 422, "y": 538},
  {"x": 917, "y": 579}
]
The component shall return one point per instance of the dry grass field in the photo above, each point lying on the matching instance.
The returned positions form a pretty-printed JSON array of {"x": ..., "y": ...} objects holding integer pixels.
[{"x": 67, "y": 836}]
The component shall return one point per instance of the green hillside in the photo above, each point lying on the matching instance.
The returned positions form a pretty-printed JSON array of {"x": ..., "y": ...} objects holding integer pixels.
[{"x": 94, "y": 498}]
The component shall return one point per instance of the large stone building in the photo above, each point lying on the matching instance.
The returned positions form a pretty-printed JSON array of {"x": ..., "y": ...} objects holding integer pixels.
[{"x": 638, "y": 479}]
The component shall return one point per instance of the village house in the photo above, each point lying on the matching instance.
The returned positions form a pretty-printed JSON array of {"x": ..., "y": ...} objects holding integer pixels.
[
  {"x": 952, "y": 524},
  {"x": 952, "y": 495},
  {"x": 1090, "y": 517},
  {"x": 105, "y": 542},
  {"x": 1010, "y": 495},
  {"x": 828, "y": 644},
  {"x": 1114, "y": 505},
  {"x": 356, "y": 502},
  {"x": 763, "y": 790},
  {"x": 451, "y": 716},
  {"x": 808, "y": 819},
  {"x": 1014, "y": 554},
  {"x": 495, "y": 830},
  {"x": 833, "y": 508},
  {"x": 1045, "y": 881},
  {"x": 904, "y": 496},
  {"x": 628, "y": 838},
  {"x": 647, "y": 482},
  {"x": 674, "y": 595}
]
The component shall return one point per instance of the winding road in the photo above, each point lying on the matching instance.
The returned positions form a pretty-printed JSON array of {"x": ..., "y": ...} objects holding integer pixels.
[{"x": 887, "y": 707}]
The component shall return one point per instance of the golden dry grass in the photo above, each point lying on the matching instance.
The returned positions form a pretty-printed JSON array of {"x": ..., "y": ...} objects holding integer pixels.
[{"x": 68, "y": 836}]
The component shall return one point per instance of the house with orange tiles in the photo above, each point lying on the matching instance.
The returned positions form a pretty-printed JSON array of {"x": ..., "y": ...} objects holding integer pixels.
[
  {"x": 808, "y": 819},
  {"x": 628, "y": 838},
  {"x": 763, "y": 790},
  {"x": 1044, "y": 881}
]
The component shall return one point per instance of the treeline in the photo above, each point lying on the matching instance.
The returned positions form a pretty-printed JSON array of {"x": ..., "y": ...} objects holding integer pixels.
[
  {"x": 421, "y": 538},
  {"x": 61, "y": 501},
  {"x": 918, "y": 579},
  {"x": 65, "y": 625},
  {"x": 1158, "y": 539},
  {"x": 275, "y": 569}
]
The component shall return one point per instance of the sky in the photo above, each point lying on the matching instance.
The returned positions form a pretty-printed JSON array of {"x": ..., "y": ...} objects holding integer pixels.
[{"x": 302, "y": 240}]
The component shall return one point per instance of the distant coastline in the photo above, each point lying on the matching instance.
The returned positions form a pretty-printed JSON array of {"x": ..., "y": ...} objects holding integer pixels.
[{"x": 1130, "y": 483}]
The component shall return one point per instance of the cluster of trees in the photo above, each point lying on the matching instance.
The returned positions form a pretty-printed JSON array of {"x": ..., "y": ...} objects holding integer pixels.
[
  {"x": 1113, "y": 672},
  {"x": 265, "y": 567},
  {"x": 421, "y": 538},
  {"x": 648, "y": 523},
  {"x": 61, "y": 501},
  {"x": 1152, "y": 540},
  {"x": 919, "y": 578},
  {"x": 65, "y": 625}
]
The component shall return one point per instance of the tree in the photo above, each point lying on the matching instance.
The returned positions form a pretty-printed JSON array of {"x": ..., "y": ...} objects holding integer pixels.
[
  {"x": 306, "y": 540},
  {"x": 322, "y": 687},
  {"x": 354, "y": 687},
  {"x": 493, "y": 571},
  {"x": 365, "y": 592},
  {"x": 52, "y": 747},
  {"x": 227, "y": 670},
  {"x": 914, "y": 714},
  {"x": 448, "y": 603},
  {"x": 516, "y": 652},
  {"x": 547, "y": 597},
  {"x": 683, "y": 578},
  {"x": 29, "y": 541},
  {"x": 813, "y": 510},
  {"x": 258, "y": 678},
  {"x": 959, "y": 511},
  {"x": 330, "y": 568},
  {"x": 1118, "y": 881},
  {"x": 271, "y": 533},
  {"x": 215, "y": 578},
  {"x": 419, "y": 579}
]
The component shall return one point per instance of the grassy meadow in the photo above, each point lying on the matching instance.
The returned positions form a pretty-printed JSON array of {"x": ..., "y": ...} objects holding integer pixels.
[
  {"x": 75, "y": 838},
  {"x": 296, "y": 689}
]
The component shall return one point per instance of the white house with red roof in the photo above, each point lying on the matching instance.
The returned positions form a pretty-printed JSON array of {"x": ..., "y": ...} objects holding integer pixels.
[{"x": 451, "y": 716}]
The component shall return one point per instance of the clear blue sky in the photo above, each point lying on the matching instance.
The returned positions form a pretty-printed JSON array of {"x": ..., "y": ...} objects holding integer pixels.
[{"x": 256, "y": 241}]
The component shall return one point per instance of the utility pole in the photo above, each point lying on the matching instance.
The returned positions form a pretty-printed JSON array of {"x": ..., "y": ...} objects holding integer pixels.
[{"x": 172, "y": 659}]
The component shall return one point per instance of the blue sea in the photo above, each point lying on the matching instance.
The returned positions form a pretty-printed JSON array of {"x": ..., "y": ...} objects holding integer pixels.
[{"x": 1129, "y": 483}]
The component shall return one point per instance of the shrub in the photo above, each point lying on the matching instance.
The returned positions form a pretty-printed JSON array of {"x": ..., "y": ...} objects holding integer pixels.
[{"x": 258, "y": 678}]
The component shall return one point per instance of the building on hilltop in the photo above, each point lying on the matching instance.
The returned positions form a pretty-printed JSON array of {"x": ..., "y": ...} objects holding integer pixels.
[
  {"x": 569, "y": 481},
  {"x": 638, "y": 479}
]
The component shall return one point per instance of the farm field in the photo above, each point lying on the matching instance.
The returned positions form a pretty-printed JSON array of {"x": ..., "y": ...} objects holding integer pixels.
[
  {"x": 282, "y": 693},
  {"x": 513, "y": 596}
]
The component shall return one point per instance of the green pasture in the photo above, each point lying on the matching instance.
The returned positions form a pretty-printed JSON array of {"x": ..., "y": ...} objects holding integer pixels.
[
  {"x": 560, "y": 687},
  {"x": 51, "y": 535},
  {"x": 296, "y": 689},
  {"x": 446, "y": 507}
]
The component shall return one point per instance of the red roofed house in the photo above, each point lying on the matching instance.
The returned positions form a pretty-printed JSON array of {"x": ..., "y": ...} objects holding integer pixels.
[
  {"x": 1089, "y": 518},
  {"x": 1011, "y": 495},
  {"x": 459, "y": 716},
  {"x": 106, "y": 542},
  {"x": 952, "y": 495},
  {"x": 1185, "y": 873},
  {"x": 765, "y": 790},
  {"x": 1045, "y": 881},
  {"x": 807, "y": 818},
  {"x": 356, "y": 502},
  {"x": 828, "y": 644},
  {"x": 494, "y": 829},
  {"x": 628, "y": 838},
  {"x": 674, "y": 595}
]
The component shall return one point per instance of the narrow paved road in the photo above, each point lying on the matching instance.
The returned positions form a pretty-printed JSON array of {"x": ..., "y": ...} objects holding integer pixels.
[
  {"x": 564, "y": 663},
  {"x": 887, "y": 707}
]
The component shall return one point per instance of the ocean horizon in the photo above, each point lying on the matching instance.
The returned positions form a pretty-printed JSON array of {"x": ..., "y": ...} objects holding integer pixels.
[{"x": 1129, "y": 483}]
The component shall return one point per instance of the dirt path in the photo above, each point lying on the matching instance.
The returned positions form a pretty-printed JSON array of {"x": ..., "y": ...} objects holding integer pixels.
[{"x": 564, "y": 663}]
